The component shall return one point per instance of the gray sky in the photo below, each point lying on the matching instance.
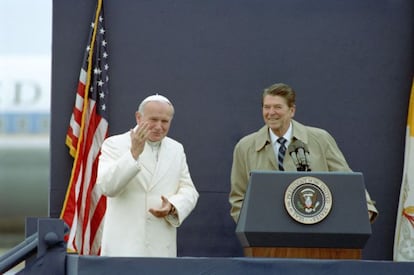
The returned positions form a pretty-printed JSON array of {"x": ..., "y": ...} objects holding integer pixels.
[
  {"x": 25, "y": 27},
  {"x": 25, "y": 55}
]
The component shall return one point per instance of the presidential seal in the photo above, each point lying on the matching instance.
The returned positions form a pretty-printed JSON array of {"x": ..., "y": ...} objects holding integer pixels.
[{"x": 308, "y": 200}]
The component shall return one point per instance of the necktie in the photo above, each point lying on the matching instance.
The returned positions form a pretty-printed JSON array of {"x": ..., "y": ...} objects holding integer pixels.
[{"x": 281, "y": 153}]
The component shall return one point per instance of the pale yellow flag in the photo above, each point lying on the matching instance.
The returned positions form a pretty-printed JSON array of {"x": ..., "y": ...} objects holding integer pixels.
[{"x": 404, "y": 231}]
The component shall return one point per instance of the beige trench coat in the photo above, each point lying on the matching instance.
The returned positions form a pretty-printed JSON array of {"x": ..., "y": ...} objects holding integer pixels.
[{"x": 255, "y": 152}]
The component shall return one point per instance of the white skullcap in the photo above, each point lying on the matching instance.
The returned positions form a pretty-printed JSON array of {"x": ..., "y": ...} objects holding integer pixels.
[{"x": 155, "y": 97}]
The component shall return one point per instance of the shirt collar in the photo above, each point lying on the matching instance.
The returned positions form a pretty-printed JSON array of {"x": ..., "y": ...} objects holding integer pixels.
[
  {"x": 264, "y": 136},
  {"x": 287, "y": 136}
]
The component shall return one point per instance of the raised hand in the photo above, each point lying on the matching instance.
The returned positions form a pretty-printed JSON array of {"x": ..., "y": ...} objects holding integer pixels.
[{"x": 138, "y": 139}]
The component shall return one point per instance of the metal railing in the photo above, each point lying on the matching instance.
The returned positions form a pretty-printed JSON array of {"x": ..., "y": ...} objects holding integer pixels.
[
  {"x": 19, "y": 253},
  {"x": 49, "y": 235}
]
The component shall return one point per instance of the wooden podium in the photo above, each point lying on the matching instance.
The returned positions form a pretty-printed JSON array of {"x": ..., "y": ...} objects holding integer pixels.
[{"x": 267, "y": 229}]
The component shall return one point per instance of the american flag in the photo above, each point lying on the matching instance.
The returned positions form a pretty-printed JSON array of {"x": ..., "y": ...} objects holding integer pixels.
[{"x": 84, "y": 206}]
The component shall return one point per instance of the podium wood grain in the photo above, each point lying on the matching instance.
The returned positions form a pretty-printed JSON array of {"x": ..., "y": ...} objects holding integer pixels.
[{"x": 308, "y": 253}]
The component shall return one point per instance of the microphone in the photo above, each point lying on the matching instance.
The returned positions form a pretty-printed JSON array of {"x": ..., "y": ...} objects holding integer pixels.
[
  {"x": 300, "y": 154},
  {"x": 292, "y": 152}
]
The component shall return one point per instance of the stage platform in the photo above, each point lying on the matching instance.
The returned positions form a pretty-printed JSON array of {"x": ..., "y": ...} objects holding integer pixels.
[
  {"x": 89, "y": 265},
  {"x": 45, "y": 252}
]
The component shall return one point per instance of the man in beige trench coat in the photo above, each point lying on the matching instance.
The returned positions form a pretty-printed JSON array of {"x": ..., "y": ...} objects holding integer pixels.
[{"x": 259, "y": 150}]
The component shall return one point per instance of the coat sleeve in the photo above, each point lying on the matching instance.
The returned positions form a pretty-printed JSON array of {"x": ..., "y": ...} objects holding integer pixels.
[
  {"x": 115, "y": 169},
  {"x": 239, "y": 180},
  {"x": 336, "y": 162},
  {"x": 185, "y": 199}
]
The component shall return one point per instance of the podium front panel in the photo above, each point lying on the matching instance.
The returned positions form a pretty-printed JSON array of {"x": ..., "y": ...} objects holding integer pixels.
[{"x": 265, "y": 222}]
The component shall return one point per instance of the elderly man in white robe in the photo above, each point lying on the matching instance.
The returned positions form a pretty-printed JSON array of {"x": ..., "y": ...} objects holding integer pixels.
[{"x": 145, "y": 177}]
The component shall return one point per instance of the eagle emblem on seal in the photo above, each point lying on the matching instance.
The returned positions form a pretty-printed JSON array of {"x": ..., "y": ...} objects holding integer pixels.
[{"x": 308, "y": 200}]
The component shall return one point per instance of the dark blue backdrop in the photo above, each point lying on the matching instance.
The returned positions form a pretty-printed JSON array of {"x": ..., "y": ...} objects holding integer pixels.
[{"x": 349, "y": 61}]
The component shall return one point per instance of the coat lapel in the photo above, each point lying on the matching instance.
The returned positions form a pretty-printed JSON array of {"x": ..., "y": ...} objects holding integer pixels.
[
  {"x": 270, "y": 153},
  {"x": 165, "y": 160},
  {"x": 149, "y": 164}
]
